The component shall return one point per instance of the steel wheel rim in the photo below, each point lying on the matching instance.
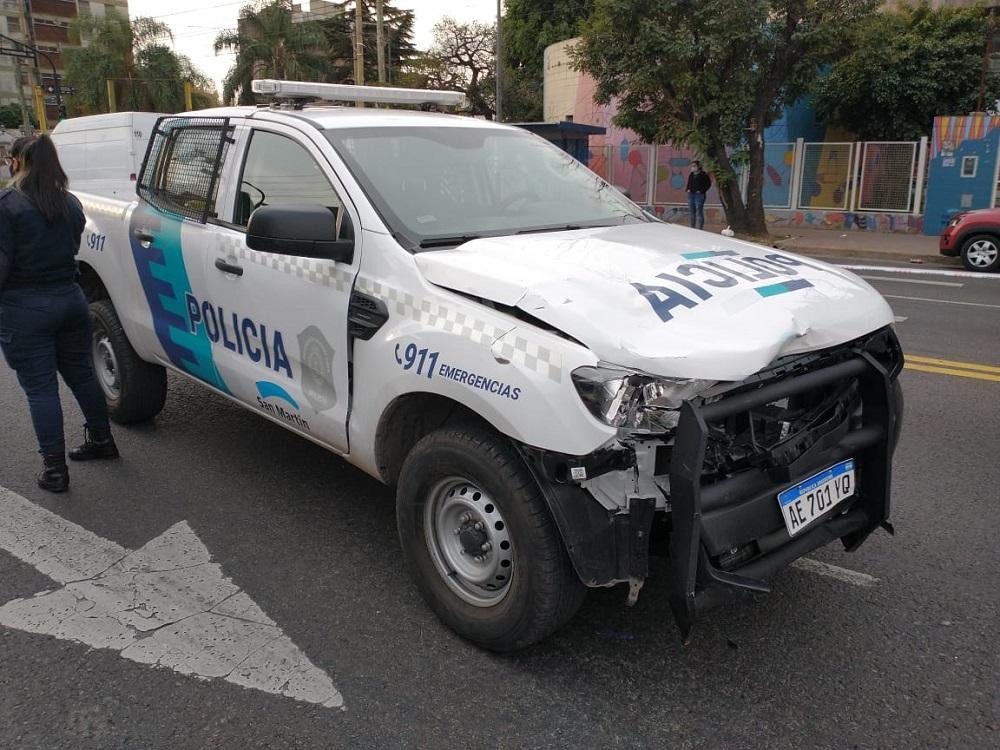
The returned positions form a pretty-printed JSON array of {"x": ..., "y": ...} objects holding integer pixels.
[
  {"x": 105, "y": 364},
  {"x": 982, "y": 253},
  {"x": 460, "y": 519}
]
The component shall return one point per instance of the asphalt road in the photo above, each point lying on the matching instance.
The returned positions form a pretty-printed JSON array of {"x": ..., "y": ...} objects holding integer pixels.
[{"x": 908, "y": 660}]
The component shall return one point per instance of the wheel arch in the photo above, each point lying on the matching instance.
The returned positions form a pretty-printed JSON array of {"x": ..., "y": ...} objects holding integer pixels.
[
  {"x": 988, "y": 230},
  {"x": 93, "y": 286},
  {"x": 410, "y": 417}
]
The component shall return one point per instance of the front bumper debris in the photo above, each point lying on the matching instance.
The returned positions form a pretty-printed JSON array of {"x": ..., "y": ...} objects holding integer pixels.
[
  {"x": 717, "y": 515},
  {"x": 719, "y": 478}
]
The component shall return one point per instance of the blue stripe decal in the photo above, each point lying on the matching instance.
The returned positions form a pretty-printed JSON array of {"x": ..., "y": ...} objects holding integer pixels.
[
  {"x": 782, "y": 288},
  {"x": 267, "y": 389}
]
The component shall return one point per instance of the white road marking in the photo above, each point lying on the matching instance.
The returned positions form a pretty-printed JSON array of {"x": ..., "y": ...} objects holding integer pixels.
[
  {"x": 900, "y": 318},
  {"x": 913, "y": 281},
  {"x": 166, "y": 604},
  {"x": 924, "y": 271},
  {"x": 942, "y": 301},
  {"x": 835, "y": 571}
]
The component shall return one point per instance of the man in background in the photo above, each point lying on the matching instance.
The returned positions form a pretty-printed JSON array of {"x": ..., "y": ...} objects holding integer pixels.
[{"x": 697, "y": 186}]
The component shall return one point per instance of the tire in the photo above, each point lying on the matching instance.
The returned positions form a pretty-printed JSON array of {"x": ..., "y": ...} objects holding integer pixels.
[
  {"x": 134, "y": 389},
  {"x": 539, "y": 592},
  {"x": 981, "y": 252}
]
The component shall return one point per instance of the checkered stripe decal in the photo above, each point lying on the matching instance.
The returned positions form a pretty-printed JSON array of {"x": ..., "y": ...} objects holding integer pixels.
[
  {"x": 314, "y": 271},
  {"x": 514, "y": 348}
]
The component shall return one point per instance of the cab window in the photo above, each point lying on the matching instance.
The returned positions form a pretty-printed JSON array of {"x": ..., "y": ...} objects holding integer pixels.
[{"x": 280, "y": 172}]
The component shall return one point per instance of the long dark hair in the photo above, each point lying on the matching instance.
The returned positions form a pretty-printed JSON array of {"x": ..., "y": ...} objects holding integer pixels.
[{"x": 41, "y": 176}]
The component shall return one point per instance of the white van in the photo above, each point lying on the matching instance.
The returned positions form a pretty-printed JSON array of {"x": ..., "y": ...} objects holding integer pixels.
[{"x": 102, "y": 154}]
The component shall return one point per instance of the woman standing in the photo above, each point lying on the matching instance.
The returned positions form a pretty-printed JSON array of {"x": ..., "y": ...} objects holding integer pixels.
[{"x": 44, "y": 318}]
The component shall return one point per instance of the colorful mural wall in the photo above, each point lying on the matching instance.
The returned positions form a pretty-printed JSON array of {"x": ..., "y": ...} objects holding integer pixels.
[
  {"x": 621, "y": 157},
  {"x": 963, "y": 167}
]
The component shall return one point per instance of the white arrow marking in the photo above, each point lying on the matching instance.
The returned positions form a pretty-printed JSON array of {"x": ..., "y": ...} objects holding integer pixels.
[{"x": 166, "y": 604}]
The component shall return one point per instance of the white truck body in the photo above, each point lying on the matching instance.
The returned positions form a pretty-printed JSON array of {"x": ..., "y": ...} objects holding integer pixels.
[
  {"x": 102, "y": 154},
  {"x": 497, "y": 325}
]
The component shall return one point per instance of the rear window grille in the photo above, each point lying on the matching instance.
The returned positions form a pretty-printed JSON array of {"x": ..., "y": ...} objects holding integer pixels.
[{"x": 180, "y": 174}]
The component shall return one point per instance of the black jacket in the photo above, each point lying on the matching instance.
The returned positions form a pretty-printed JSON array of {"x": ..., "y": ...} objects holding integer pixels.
[
  {"x": 699, "y": 182},
  {"x": 34, "y": 253}
]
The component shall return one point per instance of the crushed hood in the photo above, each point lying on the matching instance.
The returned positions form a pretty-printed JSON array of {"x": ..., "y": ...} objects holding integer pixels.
[{"x": 665, "y": 299}]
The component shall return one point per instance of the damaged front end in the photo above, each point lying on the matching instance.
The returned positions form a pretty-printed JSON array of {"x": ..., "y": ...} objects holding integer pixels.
[{"x": 714, "y": 465}]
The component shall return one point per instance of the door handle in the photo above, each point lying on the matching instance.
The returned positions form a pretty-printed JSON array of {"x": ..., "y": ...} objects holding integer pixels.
[
  {"x": 228, "y": 267},
  {"x": 143, "y": 236}
]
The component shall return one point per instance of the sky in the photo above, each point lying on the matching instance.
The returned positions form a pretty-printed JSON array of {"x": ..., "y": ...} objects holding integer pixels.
[{"x": 196, "y": 22}]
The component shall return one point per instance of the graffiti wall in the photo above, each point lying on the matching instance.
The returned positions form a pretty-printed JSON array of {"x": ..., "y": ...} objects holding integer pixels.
[
  {"x": 657, "y": 176},
  {"x": 963, "y": 167}
]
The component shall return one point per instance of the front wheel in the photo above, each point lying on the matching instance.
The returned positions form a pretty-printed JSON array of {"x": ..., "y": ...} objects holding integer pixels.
[
  {"x": 134, "y": 389},
  {"x": 480, "y": 543},
  {"x": 981, "y": 253}
]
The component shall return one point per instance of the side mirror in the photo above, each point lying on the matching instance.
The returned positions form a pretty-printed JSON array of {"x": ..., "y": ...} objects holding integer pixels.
[{"x": 305, "y": 231}]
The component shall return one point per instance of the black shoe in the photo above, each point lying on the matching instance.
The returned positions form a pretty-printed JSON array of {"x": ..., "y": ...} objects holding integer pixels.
[
  {"x": 97, "y": 444},
  {"x": 54, "y": 477}
]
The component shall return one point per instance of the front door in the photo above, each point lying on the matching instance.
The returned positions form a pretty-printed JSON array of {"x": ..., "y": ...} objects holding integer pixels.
[{"x": 279, "y": 322}]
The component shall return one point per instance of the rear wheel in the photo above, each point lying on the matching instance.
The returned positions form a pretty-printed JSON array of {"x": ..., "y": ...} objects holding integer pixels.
[
  {"x": 981, "y": 252},
  {"x": 134, "y": 389},
  {"x": 479, "y": 541}
]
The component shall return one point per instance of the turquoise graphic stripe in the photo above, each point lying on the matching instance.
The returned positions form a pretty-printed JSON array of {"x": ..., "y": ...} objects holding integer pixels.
[
  {"x": 782, "y": 288},
  {"x": 707, "y": 254},
  {"x": 165, "y": 281},
  {"x": 267, "y": 389}
]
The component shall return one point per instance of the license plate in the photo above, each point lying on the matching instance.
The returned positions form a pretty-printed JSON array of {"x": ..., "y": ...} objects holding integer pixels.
[{"x": 808, "y": 500}]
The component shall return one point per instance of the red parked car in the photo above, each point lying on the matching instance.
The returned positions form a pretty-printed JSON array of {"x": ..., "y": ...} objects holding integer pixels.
[{"x": 975, "y": 235}]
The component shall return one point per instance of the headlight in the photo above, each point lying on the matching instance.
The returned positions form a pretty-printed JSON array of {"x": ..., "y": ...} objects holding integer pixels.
[
  {"x": 956, "y": 220},
  {"x": 632, "y": 401}
]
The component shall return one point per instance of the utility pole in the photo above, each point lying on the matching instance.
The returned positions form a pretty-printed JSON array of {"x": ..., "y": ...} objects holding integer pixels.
[
  {"x": 25, "y": 116},
  {"x": 499, "y": 67},
  {"x": 380, "y": 42},
  {"x": 359, "y": 46}
]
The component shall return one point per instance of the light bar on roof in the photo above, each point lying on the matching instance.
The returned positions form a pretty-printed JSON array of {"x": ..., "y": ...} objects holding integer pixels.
[{"x": 347, "y": 93}]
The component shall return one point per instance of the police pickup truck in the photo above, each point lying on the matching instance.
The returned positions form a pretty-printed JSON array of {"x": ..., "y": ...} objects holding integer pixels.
[{"x": 556, "y": 383}]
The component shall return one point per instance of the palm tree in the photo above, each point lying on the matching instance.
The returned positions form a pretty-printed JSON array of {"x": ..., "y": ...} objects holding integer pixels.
[
  {"x": 146, "y": 73},
  {"x": 114, "y": 50},
  {"x": 269, "y": 45}
]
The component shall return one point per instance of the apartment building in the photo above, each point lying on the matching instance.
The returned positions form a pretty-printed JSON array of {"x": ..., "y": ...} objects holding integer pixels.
[{"x": 46, "y": 25}]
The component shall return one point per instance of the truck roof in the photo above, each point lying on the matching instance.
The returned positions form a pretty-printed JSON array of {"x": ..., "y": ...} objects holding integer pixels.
[{"x": 330, "y": 117}]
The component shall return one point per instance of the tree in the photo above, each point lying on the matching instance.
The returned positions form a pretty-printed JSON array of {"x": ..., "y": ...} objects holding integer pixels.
[
  {"x": 146, "y": 74},
  {"x": 10, "y": 117},
  {"x": 268, "y": 44},
  {"x": 338, "y": 26},
  {"x": 462, "y": 58},
  {"x": 529, "y": 26},
  {"x": 714, "y": 74},
  {"x": 908, "y": 66}
]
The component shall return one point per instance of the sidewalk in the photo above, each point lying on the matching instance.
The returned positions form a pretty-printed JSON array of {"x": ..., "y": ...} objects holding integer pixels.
[{"x": 879, "y": 246}]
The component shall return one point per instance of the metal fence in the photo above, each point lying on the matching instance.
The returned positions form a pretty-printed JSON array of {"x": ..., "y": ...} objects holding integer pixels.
[
  {"x": 888, "y": 176},
  {"x": 872, "y": 176}
]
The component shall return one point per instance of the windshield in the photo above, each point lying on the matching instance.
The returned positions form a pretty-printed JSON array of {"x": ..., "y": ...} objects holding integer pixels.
[{"x": 441, "y": 186}]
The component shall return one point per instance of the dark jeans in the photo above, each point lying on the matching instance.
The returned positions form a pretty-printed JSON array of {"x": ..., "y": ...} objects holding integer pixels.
[
  {"x": 42, "y": 332},
  {"x": 696, "y": 205}
]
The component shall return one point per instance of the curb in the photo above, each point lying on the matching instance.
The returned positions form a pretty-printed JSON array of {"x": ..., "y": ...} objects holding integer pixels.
[{"x": 871, "y": 254}]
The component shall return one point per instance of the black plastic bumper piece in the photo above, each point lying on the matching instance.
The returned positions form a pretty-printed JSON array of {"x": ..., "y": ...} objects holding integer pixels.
[{"x": 711, "y": 516}]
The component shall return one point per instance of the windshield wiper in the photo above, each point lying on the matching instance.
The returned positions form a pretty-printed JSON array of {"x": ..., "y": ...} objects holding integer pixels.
[
  {"x": 561, "y": 228},
  {"x": 458, "y": 239}
]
